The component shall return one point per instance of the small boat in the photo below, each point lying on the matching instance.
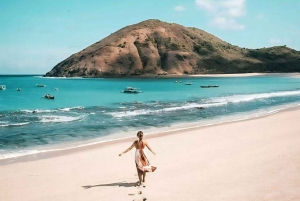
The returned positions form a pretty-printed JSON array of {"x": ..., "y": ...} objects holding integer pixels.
[
  {"x": 131, "y": 90},
  {"x": 47, "y": 96},
  {"x": 175, "y": 81},
  {"x": 2, "y": 87},
  {"x": 41, "y": 85},
  {"x": 208, "y": 86},
  {"x": 19, "y": 89},
  {"x": 188, "y": 83}
]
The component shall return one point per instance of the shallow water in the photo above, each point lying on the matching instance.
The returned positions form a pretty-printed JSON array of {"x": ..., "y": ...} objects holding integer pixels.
[{"x": 89, "y": 110}]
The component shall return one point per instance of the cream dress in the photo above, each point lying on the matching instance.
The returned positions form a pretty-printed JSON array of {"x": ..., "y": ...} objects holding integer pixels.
[{"x": 141, "y": 159}]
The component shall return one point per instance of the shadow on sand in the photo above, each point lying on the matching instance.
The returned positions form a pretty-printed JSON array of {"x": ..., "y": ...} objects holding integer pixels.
[{"x": 120, "y": 184}]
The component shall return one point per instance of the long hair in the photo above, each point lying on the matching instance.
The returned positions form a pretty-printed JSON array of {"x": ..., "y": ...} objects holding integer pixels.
[{"x": 140, "y": 135}]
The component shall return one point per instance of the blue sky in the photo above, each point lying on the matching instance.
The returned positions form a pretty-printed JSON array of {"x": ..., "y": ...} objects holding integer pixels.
[{"x": 35, "y": 35}]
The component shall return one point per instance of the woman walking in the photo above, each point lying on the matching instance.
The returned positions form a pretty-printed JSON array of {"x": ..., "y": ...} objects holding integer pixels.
[{"x": 141, "y": 160}]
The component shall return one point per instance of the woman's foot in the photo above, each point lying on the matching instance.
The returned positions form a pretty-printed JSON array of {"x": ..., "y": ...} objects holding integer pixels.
[{"x": 144, "y": 184}]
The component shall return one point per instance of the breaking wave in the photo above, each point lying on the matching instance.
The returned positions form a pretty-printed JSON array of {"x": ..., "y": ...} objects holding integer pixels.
[
  {"x": 59, "y": 119},
  {"x": 212, "y": 102}
]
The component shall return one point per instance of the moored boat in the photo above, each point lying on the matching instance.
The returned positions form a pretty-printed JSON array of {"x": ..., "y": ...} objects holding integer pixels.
[
  {"x": 41, "y": 85},
  {"x": 2, "y": 87},
  {"x": 131, "y": 90},
  {"x": 47, "y": 96},
  {"x": 208, "y": 86}
]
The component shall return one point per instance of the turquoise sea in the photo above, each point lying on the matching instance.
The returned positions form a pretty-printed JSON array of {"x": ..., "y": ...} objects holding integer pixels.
[{"x": 87, "y": 111}]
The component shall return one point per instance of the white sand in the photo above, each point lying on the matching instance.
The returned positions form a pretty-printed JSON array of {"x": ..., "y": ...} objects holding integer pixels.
[
  {"x": 248, "y": 75},
  {"x": 255, "y": 160}
]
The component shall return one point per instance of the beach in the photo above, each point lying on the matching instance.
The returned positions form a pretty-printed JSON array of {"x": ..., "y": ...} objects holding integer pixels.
[
  {"x": 256, "y": 159},
  {"x": 247, "y": 75}
]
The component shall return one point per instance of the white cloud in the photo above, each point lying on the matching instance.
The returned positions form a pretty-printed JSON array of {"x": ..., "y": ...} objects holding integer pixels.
[
  {"x": 274, "y": 41},
  {"x": 226, "y": 23},
  {"x": 179, "y": 8},
  {"x": 224, "y": 13}
]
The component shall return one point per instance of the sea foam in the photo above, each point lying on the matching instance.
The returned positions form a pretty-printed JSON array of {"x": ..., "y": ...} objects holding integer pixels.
[
  {"x": 59, "y": 119},
  {"x": 212, "y": 102}
]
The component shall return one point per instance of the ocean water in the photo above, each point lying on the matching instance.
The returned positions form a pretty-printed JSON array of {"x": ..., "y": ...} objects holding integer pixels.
[{"x": 87, "y": 111}]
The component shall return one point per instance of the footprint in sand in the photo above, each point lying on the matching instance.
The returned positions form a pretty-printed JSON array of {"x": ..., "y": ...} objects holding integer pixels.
[{"x": 140, "y": 199}]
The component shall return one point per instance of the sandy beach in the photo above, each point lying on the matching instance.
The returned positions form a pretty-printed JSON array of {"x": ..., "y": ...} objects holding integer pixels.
[
  {"x": 248, "y": 75},
  {"x": 257, "y": 159}
]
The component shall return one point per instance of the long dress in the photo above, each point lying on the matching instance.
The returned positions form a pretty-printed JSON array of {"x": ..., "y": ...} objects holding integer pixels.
[{"x": 141, "y": 160}]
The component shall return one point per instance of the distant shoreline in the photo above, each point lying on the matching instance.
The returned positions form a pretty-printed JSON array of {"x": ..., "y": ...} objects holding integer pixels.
[
  {"x": 195, "y": 75},
  {"x": 247, "y": 75}
]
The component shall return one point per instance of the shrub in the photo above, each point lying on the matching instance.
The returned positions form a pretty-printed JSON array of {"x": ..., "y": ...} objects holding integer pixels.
[
  {"x": 179, "y": 57},
  {"x": 145, "y": 45},
  {"x": 174, "y": 46}
]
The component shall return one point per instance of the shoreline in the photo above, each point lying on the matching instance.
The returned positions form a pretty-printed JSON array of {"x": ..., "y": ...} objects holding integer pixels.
[
  {"x": 58, "y": 151},
  {"x": 248, "y": 75},
  {"x": 294, "y": 74},
  {"x": 249, "y": 160}
]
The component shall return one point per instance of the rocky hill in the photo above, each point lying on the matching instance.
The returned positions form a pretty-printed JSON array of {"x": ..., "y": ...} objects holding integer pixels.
[{"x": 154, "y": 47}]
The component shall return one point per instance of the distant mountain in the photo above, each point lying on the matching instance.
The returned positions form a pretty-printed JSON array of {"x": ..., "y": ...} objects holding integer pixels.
[{"x": 153, "y": 47}]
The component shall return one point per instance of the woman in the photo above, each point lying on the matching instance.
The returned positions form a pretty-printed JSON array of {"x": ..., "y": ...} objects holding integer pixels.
[{"x": 141, "y": 160}]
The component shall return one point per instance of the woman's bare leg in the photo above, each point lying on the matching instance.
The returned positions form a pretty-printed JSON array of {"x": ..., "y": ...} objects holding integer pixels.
[
  {"x": 139, "y": 175},
  {"x": 144, "y": 176}
]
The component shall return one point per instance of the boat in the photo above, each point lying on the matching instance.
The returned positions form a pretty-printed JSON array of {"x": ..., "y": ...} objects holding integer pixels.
[
  {"x": 41, "y": 85},
  {"x": 2, "y": 87},
  {"x": 19, "y": 89},
  {"x": 131, "y": 90},
  {"x": 188, "y": 83},
  {"x": 47, "y": 96},
  {"x": 208, "y": 86}
]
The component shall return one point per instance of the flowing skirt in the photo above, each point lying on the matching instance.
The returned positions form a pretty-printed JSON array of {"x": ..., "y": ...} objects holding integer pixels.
[{"x": 142, "y": 162}]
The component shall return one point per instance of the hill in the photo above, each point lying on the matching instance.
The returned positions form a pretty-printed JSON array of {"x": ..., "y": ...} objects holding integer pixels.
[{"x": 153, "y": 47}]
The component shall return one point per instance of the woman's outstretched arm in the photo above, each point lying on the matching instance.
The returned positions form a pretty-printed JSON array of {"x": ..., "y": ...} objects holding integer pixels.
[
  {"x": 128, "y": 149},
  {"x": 147, "y": 145}
]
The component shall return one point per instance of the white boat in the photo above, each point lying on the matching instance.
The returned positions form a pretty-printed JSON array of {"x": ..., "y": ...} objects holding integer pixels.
[
  {"x": 19, "y": 89},
  {"x": 131, "y": 90},
  {"x": 2, "y": 87},
  {"x": 41, "y": 85}
]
